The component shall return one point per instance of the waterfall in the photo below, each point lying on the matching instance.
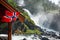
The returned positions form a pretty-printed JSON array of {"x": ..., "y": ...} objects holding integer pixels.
[
  {"x": 35, "y": 18},
  {"x": 38, "y": 15},
  {"x": 39, "y": 19}
]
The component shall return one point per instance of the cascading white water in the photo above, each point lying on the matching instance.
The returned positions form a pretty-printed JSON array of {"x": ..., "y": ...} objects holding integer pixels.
[
  {"x": 41, "y": 18},
  {"x": 37, "y": 17}
]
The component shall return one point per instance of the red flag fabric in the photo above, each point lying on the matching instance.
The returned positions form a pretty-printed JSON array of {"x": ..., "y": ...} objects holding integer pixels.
[{"x": 9, "y": 16}]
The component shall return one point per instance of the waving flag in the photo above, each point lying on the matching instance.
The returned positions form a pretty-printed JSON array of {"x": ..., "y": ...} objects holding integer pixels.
[{"x": 10, "y": 16}]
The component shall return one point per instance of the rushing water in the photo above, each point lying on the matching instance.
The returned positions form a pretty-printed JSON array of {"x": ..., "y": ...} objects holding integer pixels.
[
  {"x": 28, "y": 37},
  {"x": 39, "y": 16}
]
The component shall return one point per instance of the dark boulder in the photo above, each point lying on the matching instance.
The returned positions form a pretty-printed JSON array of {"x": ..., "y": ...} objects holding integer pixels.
[
  {"x": 44, "y": 38},
  {"x": 24, "y": 39}
]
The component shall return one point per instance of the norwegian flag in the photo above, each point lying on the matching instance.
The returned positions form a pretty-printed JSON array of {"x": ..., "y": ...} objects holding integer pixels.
[{"x": 10, "y": 16}]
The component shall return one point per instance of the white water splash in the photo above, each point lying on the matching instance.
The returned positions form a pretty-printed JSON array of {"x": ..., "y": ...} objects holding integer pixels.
[
  {"x": 40, "y": 18},
  {"x": 3, "y": 35},
  {"x": 36, "y": 17},
  {"x": 21, "y": 37}
]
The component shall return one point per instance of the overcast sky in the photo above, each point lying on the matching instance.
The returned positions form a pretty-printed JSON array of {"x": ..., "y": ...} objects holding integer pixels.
[{"x": 55, "y": 1}]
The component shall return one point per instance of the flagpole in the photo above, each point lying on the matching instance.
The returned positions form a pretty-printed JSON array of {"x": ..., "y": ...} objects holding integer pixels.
[{"x": 10, "y": 31}]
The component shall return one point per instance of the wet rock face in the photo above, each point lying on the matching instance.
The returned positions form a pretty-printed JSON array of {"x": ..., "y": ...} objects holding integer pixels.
[
  {"x": 44, "y": 38},
  {"x": 3, "y": 38}
]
